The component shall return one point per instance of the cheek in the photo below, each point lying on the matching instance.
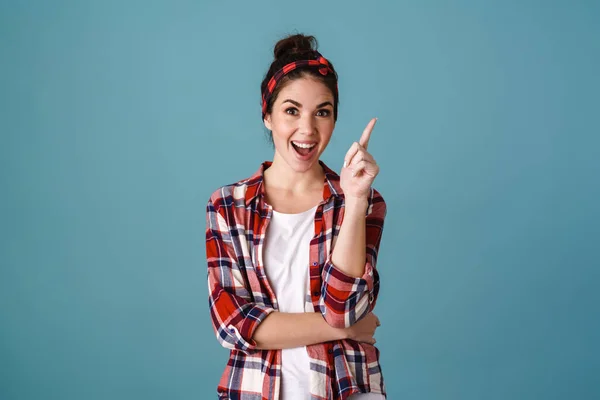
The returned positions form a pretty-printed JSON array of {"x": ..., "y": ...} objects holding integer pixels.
[
  {"x": 282, "y": 129},
  {"x": 327, "y": 129}
]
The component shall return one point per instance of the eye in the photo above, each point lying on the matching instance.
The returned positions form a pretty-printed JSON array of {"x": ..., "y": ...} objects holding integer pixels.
[
  {"x": 291, "y": 111},
  {"x": 324, "y": 113}
]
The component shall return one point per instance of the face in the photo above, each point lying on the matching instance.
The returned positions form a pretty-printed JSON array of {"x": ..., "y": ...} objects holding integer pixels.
[{"x": 302, "y": 122}]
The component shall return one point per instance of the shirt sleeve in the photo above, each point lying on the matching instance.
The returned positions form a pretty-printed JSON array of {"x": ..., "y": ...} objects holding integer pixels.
[
  {"x": 234, "y": 315},
  {"x": 346, "y": 299}
]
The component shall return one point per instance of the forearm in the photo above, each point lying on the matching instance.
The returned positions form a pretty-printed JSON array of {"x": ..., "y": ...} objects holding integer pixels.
[
  {"x": 349, "y": 252},
  {"x": 288, "y": 330}
]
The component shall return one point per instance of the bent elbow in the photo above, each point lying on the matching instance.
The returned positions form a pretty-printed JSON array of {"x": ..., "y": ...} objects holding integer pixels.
[
  {"x": 353, "y": 312},
  {"x": 230, "y": 338}
]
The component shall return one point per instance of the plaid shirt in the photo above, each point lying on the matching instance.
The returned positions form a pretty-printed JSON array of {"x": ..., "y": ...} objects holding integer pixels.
[{"x": 240, "y": 296}]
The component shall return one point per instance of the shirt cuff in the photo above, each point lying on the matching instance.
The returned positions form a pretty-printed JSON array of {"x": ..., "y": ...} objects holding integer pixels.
[
  {"x": 343, "y": 282},
  {"x": 243, "y": 335}
]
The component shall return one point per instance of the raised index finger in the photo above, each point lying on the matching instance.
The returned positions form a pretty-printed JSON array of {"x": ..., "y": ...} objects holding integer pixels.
[{"x": 366, "y": 135}]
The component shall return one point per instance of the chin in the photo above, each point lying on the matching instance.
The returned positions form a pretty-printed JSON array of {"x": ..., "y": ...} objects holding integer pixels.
[{"x": 302, "y": 166}]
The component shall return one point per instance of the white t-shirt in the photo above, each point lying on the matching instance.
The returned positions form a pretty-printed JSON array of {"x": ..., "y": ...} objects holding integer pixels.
[{"x": 286, "y": 258}]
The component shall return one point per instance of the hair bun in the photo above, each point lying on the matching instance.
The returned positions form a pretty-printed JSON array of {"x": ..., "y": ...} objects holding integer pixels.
[{"x": 295, "y": 44}]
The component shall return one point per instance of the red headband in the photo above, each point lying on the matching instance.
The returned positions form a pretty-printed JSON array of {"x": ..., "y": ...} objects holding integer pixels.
[{"x": 321, "y": 62}]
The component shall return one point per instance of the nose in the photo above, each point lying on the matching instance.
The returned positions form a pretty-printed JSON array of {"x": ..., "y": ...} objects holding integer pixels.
[{"x": 307, "y": 125}]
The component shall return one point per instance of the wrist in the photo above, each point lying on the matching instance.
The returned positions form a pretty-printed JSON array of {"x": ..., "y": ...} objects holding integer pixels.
[
  {"x": 356, "y": 204},
  {"x": 341, "y": 333},
  {"x": 334, "y": 333},
  {"x": 328, "y": 332}
]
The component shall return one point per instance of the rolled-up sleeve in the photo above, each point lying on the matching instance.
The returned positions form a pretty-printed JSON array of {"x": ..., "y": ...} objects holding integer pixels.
[
  {"x": 346, "y": 299},
  {"x": 234, "y": 316}
]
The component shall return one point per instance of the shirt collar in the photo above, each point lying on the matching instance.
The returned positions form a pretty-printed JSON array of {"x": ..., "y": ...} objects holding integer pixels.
[{"x": 255, "y": 186}]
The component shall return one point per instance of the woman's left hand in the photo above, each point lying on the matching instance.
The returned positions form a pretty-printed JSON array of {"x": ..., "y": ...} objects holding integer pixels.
[{"x": 360, "y": 169}]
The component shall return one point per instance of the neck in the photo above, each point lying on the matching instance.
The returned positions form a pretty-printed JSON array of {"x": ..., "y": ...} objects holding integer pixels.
[{"x": 280, "y": 175}]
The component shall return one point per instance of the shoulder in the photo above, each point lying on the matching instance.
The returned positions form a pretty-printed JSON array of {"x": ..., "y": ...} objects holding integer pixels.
[
  {"x": 233, "y": 194},
  {"x": 377, "y": 205},
  {"x": 376, "y": 196}
]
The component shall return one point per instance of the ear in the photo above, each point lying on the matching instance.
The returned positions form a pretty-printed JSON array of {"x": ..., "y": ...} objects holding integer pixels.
[{"x": 267, "y": 121}]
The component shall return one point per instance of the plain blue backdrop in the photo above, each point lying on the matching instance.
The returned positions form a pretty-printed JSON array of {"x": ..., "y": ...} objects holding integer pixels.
[{"x": 119, "y": 118}]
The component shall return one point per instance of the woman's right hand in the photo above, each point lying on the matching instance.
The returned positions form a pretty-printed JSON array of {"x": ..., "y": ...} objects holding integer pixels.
[{"x": 363, "y": 330}]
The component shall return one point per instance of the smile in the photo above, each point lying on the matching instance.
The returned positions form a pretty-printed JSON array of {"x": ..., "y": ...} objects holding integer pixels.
[{"x": 304, "y": 150}]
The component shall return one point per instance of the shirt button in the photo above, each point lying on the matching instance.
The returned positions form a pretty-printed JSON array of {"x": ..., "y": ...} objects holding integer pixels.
[
  {"x": 316, "y": 294},
  {"x": 314, "y": 264},
  {"x": 330, "y": 351}
]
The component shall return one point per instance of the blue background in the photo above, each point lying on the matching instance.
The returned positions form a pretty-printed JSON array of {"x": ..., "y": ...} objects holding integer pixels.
[{"x": 118, "y": 119}]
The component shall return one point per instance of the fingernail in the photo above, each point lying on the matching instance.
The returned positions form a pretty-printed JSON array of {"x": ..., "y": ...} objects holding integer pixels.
[
  {"x": 353, "y": 173},
  {"x": 345, "y": 163}
]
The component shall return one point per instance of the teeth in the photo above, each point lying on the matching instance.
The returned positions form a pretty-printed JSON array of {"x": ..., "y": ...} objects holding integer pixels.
[{"x": 305, "y": 146}]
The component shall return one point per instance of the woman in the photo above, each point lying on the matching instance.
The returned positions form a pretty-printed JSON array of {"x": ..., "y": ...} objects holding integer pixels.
[{"x": 292, "y": 250}]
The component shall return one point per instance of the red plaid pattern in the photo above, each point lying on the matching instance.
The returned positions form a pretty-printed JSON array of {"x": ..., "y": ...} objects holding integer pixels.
[{"x": 240, "y": 296}]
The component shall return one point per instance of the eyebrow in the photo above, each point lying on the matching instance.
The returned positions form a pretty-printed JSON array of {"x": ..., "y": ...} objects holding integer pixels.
[{"x": 326, "y": 103}]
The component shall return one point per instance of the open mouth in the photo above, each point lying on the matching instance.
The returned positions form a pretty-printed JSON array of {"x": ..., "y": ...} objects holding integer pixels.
[{"x": 304, "y": 150}]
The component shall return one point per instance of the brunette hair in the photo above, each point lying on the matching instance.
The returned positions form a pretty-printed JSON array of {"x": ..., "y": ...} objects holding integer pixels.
[{"x": 294, "y": 48}]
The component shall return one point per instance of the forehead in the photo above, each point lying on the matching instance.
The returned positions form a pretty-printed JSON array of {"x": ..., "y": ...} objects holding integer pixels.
[{"x": 305, "y": 90}]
